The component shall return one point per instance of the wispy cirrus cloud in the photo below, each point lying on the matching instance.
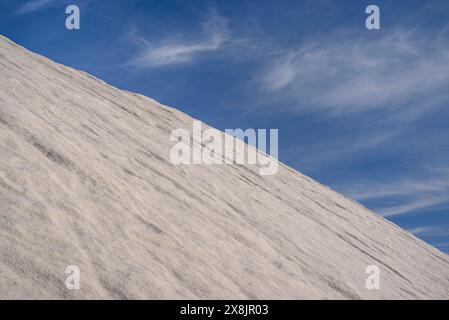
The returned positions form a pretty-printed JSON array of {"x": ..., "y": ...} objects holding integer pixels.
[
  {"x": 34, "y": 5},
  {"x": 401, "y": 188},
  {"x": 430, "y": 231},
  {"x": 411, "y": 195},
  {"x": 347, "y": 73},
  {"x": 413, "y": 205},
  {"x": 183, "y": 49}
]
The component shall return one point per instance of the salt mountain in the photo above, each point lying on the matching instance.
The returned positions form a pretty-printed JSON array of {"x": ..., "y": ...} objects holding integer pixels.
[{"x": 86, "y": 180}]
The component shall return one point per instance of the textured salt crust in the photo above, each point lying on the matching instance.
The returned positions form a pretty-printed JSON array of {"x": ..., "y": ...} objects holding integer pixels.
[{"x": 85, "y": 179}]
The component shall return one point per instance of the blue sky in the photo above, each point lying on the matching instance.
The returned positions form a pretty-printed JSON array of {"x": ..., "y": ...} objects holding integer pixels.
[{"x": 365, "y": 112}]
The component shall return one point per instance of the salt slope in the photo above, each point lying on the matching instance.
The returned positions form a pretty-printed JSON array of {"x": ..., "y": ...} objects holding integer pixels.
[{"x": 85, "y": 179}]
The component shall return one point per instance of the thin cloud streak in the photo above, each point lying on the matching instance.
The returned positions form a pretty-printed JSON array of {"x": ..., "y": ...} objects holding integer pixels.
[
  {"x": 414, "y": 195},
  {"x": 402, "y": 188},
  {"x": 172, "y": 52},
  {"x": 430, "y": 231},
  {"x": 33, "y": 6},
  {"x": 354, "y": 73},
  {"x": 412, "y": 206}
]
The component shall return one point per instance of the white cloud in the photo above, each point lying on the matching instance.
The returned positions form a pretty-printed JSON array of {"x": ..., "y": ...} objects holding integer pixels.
[
  {"x": 405, "y": 187},
  {"x": 33, "y": 5},
  {"x": 413, "y": 205},
  {"x": 170, "y": 52},
  {"x": 351, "y": 73},
  {"x": 430, "y": 231},
  {"x": 281, "y": 73},
  {"x": 412, "y": 194}
]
